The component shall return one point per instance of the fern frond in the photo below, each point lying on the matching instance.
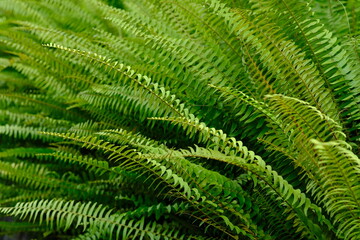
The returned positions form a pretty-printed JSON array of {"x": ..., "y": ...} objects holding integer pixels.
[
  {"x": 330, "y": 56},
  {"x": 89, "y": 215},
  {"x": 132, "y": 160},
  {"x": 98, "y": 167},
  {"x": 123, "y": 137},
  {"x": 339, "y": 175},
  {"x": 40, "y": 102},
  {"x": 276, "y": 51},
  {"x": 31, "y": 175},
  {"x": 308, "y": 122},
  {"x": 160, "y": 94},
  {"x": 297, "y": 203},
  {"x": 23, "y": 152},
  {"x": 25, "y": 132}
]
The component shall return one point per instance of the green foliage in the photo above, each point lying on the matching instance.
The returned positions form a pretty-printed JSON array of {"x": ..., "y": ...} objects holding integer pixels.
[{"x": 184, "y": 119}]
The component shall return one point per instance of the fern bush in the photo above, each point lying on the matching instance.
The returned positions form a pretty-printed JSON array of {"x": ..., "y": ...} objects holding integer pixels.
[{"x": 183, "y": 119}]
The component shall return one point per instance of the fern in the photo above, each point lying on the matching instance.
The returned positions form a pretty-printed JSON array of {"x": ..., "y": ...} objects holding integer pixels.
[{"x": 191, "y": 119}]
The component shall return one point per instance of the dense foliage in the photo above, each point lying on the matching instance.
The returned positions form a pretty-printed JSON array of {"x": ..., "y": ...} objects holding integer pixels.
[{"x": 182, "y": 119}]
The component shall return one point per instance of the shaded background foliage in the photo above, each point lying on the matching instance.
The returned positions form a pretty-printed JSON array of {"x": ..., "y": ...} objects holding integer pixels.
[{"x": 199, "y": 119}]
